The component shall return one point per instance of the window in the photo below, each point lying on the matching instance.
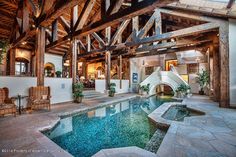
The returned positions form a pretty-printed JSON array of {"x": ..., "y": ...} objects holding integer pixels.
[{"x": 20, "y": 68}]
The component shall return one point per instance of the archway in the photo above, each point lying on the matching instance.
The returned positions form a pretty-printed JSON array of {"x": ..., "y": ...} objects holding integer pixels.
[
  {"x": 164, "y": 89},
  {"x": 153, "y": 89},
  {"x": 49, "y": 69}
]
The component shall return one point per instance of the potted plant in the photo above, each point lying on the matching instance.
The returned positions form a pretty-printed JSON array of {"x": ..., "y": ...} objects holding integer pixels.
[
  {"x": 144, "y": 89},
  {"x": 203, "y": 80},
  {"x": 182, "y": 90},
  {"x": 78, "y": 92},
  {"x": 58, "y": 73},
  {"x": 112, "y": 89}
]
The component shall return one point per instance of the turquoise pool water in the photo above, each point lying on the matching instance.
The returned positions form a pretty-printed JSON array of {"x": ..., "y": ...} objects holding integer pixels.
[
  {"x": 119, "y": 125},
  {"x": 179, "y": 112}
]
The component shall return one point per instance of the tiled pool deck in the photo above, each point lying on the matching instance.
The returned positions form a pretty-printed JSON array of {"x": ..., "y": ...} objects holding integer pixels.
[{"x": 213, "y": 134}]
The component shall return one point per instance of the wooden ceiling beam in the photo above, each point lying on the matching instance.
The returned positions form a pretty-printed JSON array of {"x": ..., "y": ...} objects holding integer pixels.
[
  {"x": 135, "y": 10},
  {"x": 114, "y": 7},
  {"x": 64, "y": 24},
  {"x": 230, "y": 3},
  {"x": 32, "y": 6},
  {"x": 59, "y": 8},
  {"x": 25, "y": 17},
  {"x": 227, "y": 13},
  {"x": 143, "y": 32},
  {"x": 10, "y": 4},
  {"x": 24, "y": 36},
  {"x": 84, "y": 14},
  {"x": 179, "y": 43},
  {"x": 99, "y": 39},
  {"x": 119, "y": 31},
  {"x": 179, "y": 33},
  {"x": 55, "y": 52}
]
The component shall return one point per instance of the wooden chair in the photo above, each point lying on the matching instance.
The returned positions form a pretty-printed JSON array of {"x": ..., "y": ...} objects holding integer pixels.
[
  {"x": 39, "y": 97},
  {"x": 7, "y": 105}
]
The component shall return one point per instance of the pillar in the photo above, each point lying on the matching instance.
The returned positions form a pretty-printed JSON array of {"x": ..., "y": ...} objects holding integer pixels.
[
  {"x": 12, "y": 61},
  {"x": 108, "y": 68},
  {"x": 120, "y": 70},
  {"x": 40, "y": 51},
  {"x": 216, "y": 72},
  {"x": 73, "y": 64},
  {"x": 224, "y": 64}
]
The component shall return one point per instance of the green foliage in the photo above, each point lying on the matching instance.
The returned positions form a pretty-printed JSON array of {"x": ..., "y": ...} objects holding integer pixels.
[
  {"x": 112, "y": 89},
  {"x": 203, "y": 79},
  {"x": 183, "y": 88},
  {"x": 145, "y": 88},
  {"x": 78, "y": 90},
  {"x": 3, "y": 46},
  {"x": 58, "y": 73}
]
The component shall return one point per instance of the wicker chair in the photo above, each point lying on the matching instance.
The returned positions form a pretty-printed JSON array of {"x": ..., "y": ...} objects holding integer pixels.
[
  {"x": 7, "y": 105},
  {"x": 39, "y": 97}
]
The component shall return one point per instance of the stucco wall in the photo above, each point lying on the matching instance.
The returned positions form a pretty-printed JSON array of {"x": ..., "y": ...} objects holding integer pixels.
[
  {"x": 60, "y": 87},
  {"x": 100, "y": 86},
  {"x": 232, "y": 62}
]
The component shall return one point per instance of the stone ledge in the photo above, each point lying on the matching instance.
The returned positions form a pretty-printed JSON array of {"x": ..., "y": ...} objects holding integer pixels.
[{"x": 125, "y": 152}]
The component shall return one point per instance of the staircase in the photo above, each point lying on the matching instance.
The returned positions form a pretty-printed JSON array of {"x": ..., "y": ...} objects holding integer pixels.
[
  {"x": 92, "y": 94},
  {"x": 158, "y": 77}
]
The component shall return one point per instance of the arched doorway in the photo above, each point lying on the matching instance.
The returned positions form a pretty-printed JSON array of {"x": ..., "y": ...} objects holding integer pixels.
[{"x": 49, "y": 69}]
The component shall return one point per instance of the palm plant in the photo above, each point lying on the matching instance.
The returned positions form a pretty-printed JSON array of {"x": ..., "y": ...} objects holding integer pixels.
[{"x": 203, "y": 80}]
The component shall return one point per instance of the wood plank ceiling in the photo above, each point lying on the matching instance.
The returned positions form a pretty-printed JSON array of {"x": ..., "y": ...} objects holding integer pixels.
[
  {"x": 11, "y": 14},
  {"x": 8, "y": 9}
]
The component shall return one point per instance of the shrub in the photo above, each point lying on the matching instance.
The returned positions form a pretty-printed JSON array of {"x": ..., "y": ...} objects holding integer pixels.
[
  {"x": 58, "y": 73},
  {"x": 145, "y": 88},
  {"x": 112, "y": 89},
  {"x": 78, "y": 90}
]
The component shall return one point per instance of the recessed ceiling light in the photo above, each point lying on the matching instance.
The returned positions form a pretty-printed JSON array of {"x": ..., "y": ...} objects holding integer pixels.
[{"x": 24, "y": 42}]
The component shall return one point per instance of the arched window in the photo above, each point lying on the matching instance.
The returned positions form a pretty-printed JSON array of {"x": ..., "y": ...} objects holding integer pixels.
[
  {"x": 49, "y": 69},
  {"x": 21, "y": 66}
]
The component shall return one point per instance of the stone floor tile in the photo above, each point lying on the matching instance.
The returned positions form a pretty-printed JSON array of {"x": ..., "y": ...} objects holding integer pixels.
[{"x": 223, "y": 148}]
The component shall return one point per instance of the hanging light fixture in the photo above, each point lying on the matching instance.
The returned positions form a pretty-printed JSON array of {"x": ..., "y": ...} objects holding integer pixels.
[{"x": 67, "y": 63}]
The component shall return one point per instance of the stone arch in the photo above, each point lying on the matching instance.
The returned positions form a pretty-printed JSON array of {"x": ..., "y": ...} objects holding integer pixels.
[{"x": 152, "y": 90}]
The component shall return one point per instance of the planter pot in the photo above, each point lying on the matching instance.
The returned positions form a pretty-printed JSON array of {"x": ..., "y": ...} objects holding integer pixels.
[
  {"x": 179, "y": 95},
  {"x": 144, "y": 93},
  {"x": 111, "y": 94},
  {"x": 201, "y": 92},
  {"x": 140, "y": 92},
  {"x": 78, "y": 100}
]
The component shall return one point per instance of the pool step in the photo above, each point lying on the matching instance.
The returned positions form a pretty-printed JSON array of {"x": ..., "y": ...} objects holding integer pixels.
[
  {"x": 155, "y": 142},
  {"x": 91, "y": 94}
]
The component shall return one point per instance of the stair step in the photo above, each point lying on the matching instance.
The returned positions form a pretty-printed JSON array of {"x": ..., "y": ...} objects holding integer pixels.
[
  {"x": 155, "y": 142},
  {"x": 92, "y": 94}
]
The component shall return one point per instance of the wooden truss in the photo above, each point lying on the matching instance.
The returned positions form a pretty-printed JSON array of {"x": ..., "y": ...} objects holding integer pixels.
[{"x": 104, "y": 34}]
